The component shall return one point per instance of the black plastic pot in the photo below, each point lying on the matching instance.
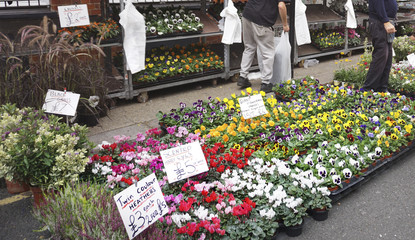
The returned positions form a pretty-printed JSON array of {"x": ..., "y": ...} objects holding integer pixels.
[
  {"x": 319, "y": 214},
  {"x": 294, "y": 231}
]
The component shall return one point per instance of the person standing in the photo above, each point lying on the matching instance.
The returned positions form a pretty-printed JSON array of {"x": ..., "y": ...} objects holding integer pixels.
[
  {"x": 382, "y": 18},
  {"x": 258, "y": 19}
]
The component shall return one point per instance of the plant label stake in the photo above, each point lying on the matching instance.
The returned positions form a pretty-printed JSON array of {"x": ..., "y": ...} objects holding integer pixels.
[
  {"x": 184, "y": 161},
  {"x": 61, "y": 102},
  {"x": 252, "y": 106}
]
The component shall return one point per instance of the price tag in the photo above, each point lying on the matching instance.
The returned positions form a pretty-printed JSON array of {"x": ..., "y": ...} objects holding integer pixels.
[
  {"x": 59, "y": 102},
  {"x": 252, "y": 106},
  {"x": 73, "y": 15},
  {"x": 141, "y": 205},
  {"x": 184, "y": 161}
]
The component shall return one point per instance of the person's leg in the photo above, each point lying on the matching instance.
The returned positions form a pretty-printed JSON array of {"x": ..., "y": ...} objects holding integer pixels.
[
  {"x": 379, "y": 55},
  {"x": 265, "y": 41},
  {"x": 250, "y": 47},
  {"x": 384, "y": 82}
]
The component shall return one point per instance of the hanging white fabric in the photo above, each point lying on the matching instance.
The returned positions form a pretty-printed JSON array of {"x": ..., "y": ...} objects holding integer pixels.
[
  {"x": 232, "y": 27},
  {"x": 302, "y": 33},
  {"x": 134, "y": 37},
  {"x": 351, "y": 17}
]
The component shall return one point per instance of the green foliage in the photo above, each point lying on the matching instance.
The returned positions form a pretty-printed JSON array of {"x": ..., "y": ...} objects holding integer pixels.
[
  {"x": 252, "y": 228},
  {"x": 81, "y": 210},
  {"x": 40, "y": 149},
  {"x": 403, "y": 46}
]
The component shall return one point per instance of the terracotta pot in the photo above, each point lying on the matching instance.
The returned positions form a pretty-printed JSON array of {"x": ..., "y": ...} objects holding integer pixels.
[
  {"x": 14, "y": 187},
  {"x": 38, "y": 195}
]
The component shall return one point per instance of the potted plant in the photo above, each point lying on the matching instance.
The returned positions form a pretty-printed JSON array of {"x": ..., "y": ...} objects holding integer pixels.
[
  {"x": 40, "y": 149},
  {"x": 55, "y": 62}
]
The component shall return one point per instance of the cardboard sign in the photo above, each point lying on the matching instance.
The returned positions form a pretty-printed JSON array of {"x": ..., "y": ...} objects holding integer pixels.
[
  {"x": 411, "y": 59},
  {"x": 58, "y": 102},
  {"x": 252, "y": 106},
  {"x": 141, "y": 205},
  {"x": 184, "y": 161},
  {"x": 73, "y": 15}
]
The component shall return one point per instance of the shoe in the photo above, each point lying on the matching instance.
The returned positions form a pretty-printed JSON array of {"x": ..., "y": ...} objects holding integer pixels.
[
  {"x": 266, "y": 87},
  {"x": 243, "y": 82}
]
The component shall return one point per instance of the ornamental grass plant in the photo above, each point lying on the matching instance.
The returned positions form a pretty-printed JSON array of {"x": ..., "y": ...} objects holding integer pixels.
[{"x": 38, "y": 60}]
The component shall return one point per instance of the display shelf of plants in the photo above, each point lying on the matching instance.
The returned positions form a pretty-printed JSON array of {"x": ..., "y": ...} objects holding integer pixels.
[
  {"x": 178, "y": 65},
  {"x": 320, "y": 16},
  {"x": 333, "y": 38},
  {"x": 166, "y": 65},
  {"x": 266, "y": 174}
]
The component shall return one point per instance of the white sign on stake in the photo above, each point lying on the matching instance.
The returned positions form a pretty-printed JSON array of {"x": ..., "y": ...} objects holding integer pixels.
[
  {"x": 252, "y": 106},
  {"x": 184, "y": 161},
  {"x": 411, "y": 59},
  {"x": 73, "y": 15},
  {"x": 59, "y": 102},
  {"x": 140, "y": 205}
]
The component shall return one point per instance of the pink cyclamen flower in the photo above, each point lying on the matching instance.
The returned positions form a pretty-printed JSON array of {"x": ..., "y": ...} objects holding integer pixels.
[
  {"x": 202, "y": 236},
  {"x": 140, "y": 137},
  {"x": 218, "y": 206}
]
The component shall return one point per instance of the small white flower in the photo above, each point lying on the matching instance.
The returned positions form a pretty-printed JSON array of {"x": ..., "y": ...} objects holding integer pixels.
[
  {"x": 347, "y": 173},
  {"x": 322, "y": 172},
  {"x": 378, "y": 151},
  {"x": 336, "y": 179}
]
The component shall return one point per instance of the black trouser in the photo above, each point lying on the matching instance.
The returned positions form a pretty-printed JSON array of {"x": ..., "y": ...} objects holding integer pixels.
[{"x": 378, "y": 74}]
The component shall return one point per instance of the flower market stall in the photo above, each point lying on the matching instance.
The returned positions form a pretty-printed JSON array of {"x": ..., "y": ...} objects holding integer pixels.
[
  {"x": 265, "y": 173},
  {"x": 269, "y": 161}
]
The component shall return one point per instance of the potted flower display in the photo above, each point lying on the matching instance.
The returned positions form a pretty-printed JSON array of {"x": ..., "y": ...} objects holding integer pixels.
[
  {"x": 165, "y": 63},
  {"x": 39, "y": 149},
  {"x": 169, "y": 21}
]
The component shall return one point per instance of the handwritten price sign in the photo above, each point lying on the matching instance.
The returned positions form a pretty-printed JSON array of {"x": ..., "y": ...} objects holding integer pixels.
[
  {"x": 73, "y": 15},
  {"x": 58, "y": 102},
  {"x": 252, "y": 106},
  {"x": 141, "y": 205},
  {"x": 184, "y": 161}
]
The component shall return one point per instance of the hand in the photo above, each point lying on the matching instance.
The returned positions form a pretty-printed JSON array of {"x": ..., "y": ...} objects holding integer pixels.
[
  {"x": 389, "y": 27},
  {"x": 286, "y": 28}
]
